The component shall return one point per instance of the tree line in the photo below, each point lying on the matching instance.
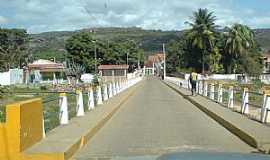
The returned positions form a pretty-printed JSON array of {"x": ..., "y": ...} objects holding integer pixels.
[{"x": 206, "y": 48}]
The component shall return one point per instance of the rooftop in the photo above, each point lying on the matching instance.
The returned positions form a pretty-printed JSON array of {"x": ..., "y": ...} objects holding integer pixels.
[{"x": 102, "y": 67}]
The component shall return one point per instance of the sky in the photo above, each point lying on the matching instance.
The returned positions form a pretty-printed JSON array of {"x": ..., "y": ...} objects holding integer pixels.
[{"x": 60, "y": 15}]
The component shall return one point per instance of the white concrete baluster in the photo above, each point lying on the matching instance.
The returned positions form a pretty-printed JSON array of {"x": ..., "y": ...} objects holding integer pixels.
[
  {"x": 245, "y": 107},
  {"x": 113, "y": 88},
  {"x": 265, "y": 117},
  {"x": 105, "y": 92},
  {"x": 220, "y": 93},
  {"x": 91, "y": 100},
  {"x": 43, "y": 128},
  {"x": 212, "y": 91},
  {"x": 79, "y": 108},
  {"x": 110, "y": 90},
  {"x": 63, "y": 113},
  {"x": 230, "y": 96},
  {"x": 99, "y": 96},
  {"x": 205, "y": 88}
]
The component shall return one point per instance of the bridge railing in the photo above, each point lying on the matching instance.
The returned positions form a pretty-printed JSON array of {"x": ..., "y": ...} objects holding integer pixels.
[
  {"x": 255, "y": 105},
  {"x": 61, "y": 106}
]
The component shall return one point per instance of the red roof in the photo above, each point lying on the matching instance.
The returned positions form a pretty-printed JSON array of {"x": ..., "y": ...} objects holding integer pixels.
[{"x": 102, "y": 67}]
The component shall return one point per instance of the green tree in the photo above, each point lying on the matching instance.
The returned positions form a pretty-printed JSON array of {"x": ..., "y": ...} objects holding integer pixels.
[
  {"x": 13, "y": 48},
  {"x": 202, "y": 35},
  {"x": 238, "y": 41}
]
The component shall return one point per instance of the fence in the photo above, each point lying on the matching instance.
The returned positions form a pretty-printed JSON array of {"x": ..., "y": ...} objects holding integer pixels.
[
  {"x": 255, "y": 105},
  {"x": 60, "y": 107}
]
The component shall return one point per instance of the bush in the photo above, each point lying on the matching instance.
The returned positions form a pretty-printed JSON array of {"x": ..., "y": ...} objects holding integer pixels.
[{"x": 43, "y": 88}]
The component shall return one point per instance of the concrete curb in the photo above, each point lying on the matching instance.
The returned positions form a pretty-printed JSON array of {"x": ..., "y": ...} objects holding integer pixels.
[{"x": 226, "y": 124}]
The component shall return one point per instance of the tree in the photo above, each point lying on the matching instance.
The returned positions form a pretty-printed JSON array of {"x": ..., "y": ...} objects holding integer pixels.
[
  {"x": 239, "y": 40},
  {"x": 202, "y": 33},
  {"x": 81, "y": 49},
  {"x": 13, "y": 48}
]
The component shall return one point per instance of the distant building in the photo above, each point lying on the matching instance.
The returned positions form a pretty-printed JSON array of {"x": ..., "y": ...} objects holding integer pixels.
[
  {"x": 44, "y": 70},
  {"x": 266, "y": 62},
  {"x": 154, "y": 64},
  {"x": 113, "y": 72}
]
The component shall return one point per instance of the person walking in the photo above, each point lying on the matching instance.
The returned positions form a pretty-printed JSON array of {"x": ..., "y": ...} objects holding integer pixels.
[{"x": 193, "y": 81}]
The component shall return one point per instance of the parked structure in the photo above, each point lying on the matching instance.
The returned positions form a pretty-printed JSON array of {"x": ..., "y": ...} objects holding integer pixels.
[
  {"x": 154, "y": 64},
  {"x": 13, "y": 76}
]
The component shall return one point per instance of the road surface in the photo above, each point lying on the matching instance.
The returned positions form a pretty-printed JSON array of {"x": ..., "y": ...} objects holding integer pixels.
[{"x": 156, "y": 120}]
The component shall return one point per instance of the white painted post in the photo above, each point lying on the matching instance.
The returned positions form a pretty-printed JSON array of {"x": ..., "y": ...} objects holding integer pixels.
[
  {"x": 205, "y": 88},
  {"x": 99, "y": 96},
  {"x": 230, "y": 100},
  {"x": 113, "y": 89},
  {"x": 116, "y": 87},
  {"x": 212, "y": 91},
  {"x": 43, "y": 128},
  {"x": 200, "y": 87},
  {"x": 105, "y": 92},
  {"x": 197, "y": 87},
  {"x": 110, "y": 90},
  {"x": 265, "y": 117},
  {"x": 63, "y": 114},
  {"x": 245, "y": 108},
  {"x": 91, "y": 100},
  {"x": 220, "y": 93},
  {"x": 79, "y": 98}
]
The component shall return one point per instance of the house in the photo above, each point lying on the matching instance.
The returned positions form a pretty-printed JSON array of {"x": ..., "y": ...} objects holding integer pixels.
[
  {"x": 266, "y": 62},
  {"x": 44, "y": 70},
  {"x": 154, "y": 64},
  {"x": 113, "y": 72}
]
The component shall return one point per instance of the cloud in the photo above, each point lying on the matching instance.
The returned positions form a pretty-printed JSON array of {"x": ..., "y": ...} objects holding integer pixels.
[
  {"x": 3, "y": 20},
  {"x": 48, "y": 15}
]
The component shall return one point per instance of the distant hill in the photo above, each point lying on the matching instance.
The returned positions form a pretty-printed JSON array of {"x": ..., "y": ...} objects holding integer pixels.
[{"x": 151, "y": 40}]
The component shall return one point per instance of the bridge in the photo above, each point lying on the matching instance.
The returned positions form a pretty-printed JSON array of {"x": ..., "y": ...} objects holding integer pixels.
[{"x": 145, "y": 116}]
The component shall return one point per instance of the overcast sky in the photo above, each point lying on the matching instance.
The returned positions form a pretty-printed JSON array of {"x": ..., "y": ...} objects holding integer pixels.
[{"x": 57, "y": 15}]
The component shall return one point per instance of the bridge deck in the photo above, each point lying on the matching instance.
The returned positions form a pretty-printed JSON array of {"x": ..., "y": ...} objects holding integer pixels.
[{"x": 156, "y": 120}]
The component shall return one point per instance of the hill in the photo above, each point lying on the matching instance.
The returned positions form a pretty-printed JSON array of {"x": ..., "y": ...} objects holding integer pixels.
[{"x": 53, "y": 43}]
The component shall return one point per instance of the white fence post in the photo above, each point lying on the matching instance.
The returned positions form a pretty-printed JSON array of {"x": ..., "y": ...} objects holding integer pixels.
[
  {"x": 201, "y": 88},
  {"x": 63, "y": 113},
  {"x": 113, "y": 89},
  {"x": 91, "y": 100},
  {"x": 212, "y": 91},
  {"x": 205, "y": 88},
  {"x": 230, "y": 97},
  {"x": 265, "y": 118},
  {"x": 43, "y": 128},
  {"x": 245, "y": 107},
  {"x": 110, "y": 90},
  {"x": 79, "y": 98},
  {"x": 220, "y": 93},
  {"x": 105, "y": 92},
  {"x": 99, "y": 96}
]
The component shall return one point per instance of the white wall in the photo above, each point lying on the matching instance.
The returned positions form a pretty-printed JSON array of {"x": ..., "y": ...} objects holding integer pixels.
[{"x": 13, "y": 76}]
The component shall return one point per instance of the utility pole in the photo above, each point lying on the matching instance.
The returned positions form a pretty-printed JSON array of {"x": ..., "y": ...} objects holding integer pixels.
[
  {"x": 95, "y": 58},
  {"x": 127, "y": 57},
  {"x": 164, "y": 68}
]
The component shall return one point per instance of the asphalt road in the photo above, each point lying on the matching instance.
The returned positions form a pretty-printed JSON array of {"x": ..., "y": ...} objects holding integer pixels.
[{"x": 156, "y": 120}]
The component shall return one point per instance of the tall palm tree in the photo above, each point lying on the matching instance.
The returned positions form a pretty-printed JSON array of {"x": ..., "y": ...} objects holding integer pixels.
[
  {"x": 239, "y": 40},
  {"x": 202, "y": 33}
]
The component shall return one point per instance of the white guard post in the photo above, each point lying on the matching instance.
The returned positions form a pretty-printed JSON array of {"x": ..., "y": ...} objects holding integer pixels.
[
  {"x": 200, "y": 87},
  {"x": 91, "y": 100},
  {"x": 244, "y": 107},
  {"x": 43, "y": 128},
  {"x": 212, "y": 91},
  {"x": 113, "y": 89},
  {"x": 105, "y": 92},
  {"x": 205, "y": 89},
  {"x": 110, "y": 90},
  {"x": 99, "y": 95},
  {"x": 116, "y": 87},
  {"x": 230, "y": 100},
  {"x": 63, "y": 114},
  {"x": 265, "y": 117},
  {"x": 220, "y": 93},
  {"x": 80, "y": 109}
]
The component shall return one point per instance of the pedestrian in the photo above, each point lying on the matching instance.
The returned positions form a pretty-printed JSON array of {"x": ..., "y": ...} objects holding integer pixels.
[{"x": 193, "y": 81}]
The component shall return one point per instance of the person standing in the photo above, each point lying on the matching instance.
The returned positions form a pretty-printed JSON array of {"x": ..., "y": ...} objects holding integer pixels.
[{"x": 193, "y": 81}]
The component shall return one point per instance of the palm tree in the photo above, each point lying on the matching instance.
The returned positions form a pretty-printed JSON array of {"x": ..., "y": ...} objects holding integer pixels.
[
  {"x": 239, "y": 39},
  {"x": 202, "y": 33}
]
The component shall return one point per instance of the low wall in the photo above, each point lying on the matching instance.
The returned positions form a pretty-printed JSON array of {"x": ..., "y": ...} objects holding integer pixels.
[{"x": 23, "y": 128}]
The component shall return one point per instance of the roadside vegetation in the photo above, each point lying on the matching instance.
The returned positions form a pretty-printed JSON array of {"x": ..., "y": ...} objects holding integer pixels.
[{"x": 207, "y": 48}]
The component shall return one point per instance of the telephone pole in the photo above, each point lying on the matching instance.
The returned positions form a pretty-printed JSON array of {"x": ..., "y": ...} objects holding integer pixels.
[{"x": 164, "y": 68}]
